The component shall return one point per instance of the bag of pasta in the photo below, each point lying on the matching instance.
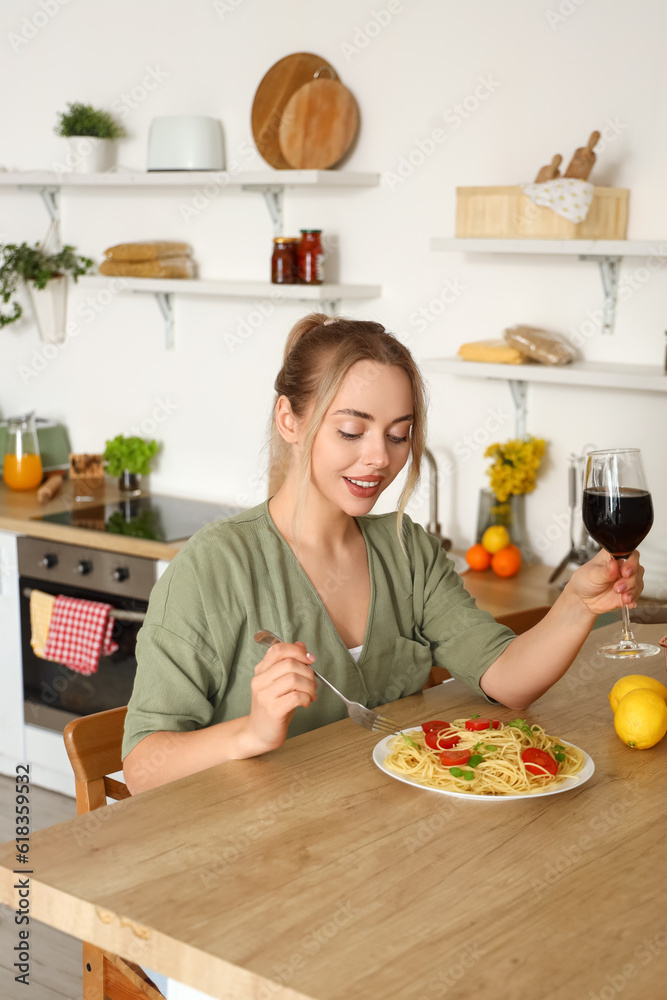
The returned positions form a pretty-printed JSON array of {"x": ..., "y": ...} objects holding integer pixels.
[{"x": 539, "y": 345}]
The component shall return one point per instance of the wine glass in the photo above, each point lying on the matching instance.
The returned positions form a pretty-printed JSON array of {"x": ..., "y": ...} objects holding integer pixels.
[{"x": 618, "y": 513}]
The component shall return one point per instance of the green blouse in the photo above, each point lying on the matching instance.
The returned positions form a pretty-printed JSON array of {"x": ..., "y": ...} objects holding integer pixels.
[{"x": 196, "y": 654}]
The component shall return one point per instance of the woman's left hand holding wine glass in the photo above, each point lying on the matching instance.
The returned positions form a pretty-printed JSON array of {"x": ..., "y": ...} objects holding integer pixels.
[{"x": 604, "y": 583}]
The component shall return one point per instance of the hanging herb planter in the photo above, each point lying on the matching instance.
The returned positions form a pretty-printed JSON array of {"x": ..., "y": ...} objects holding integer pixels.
[{"x": 46, "y": 275}]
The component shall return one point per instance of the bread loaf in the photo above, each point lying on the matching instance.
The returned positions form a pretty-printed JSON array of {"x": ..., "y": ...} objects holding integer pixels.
[
  {"x": 539, "y": 345},
  {"x": 491, "y": 351},
  {"x": 148, "y": 250},
  {"x": 165, "y": 267}
]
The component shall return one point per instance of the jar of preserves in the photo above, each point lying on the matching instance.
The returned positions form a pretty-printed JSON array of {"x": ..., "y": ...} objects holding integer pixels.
[
  {"x": 310, "y": 257},
  {"x": 283, "y": 261}
]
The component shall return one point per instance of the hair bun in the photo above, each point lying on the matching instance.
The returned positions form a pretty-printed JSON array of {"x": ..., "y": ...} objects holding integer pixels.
[{"x": 301, "y": 328}]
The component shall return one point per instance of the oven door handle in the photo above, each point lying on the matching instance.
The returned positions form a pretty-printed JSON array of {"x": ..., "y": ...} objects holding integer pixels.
[{"x": 125, "y": 616}]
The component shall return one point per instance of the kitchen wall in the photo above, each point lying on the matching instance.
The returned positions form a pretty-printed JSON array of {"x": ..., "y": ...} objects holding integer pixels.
[{"x": 507, "y": 84}]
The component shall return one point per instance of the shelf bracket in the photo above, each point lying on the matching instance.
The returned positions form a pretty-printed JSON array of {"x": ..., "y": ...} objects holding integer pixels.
[
  {"x": 519, "y": 392},
  {"x": 49, "y": 197},
  {"x": 273, "y": 196},
  {"x": 609, "y": 268},
  {"x": 165, "y": 301}
]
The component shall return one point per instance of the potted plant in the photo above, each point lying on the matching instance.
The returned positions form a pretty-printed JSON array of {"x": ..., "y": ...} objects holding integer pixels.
[
  {"x": 45, "y": 275},
  {"x": 91, "y": 133},
  {"x": 129, "y": 458}
]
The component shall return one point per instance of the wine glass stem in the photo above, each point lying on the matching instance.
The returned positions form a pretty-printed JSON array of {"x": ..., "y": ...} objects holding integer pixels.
[{"x": 627, "y": 639}]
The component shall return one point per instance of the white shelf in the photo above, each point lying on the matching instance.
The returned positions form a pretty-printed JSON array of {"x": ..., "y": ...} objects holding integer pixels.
[
  {"x": 237, "y": 289},
  {"x": 193, "y": 178},
  {"x": 164, "y": 290},
  {"x": 599, "y": 374},
  {"x": 587, "y": 248},
  {"x": 607, "y": 253}
]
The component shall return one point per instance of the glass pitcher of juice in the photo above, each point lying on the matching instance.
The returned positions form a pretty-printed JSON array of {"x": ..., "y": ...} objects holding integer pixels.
[{"x": 22, "y": 468}]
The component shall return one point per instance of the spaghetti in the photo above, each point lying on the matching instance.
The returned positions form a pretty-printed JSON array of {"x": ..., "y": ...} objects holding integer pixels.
[{"x": 495, "y": 766}]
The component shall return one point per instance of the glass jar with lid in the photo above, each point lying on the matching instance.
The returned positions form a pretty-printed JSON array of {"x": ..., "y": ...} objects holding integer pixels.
[
  {"x": 310, "y": 257},
  {"x": 283, "y": 261},
  {"x": 22, "y": 469}
]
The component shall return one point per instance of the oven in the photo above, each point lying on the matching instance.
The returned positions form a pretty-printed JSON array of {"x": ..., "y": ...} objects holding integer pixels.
[{"x": 53, "y": 693}]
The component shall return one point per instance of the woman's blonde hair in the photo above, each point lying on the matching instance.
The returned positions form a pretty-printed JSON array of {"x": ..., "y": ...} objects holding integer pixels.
[{"x": 318, "y": 354}]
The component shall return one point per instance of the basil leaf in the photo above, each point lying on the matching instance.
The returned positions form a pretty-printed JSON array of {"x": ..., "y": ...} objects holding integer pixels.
[
  {"x": 490, "y": 746},
  {"x": 456, "y": 772},
  {"x": 559, "y": 756},
  {"x": 475, "y": 759},
  {"x": 410, "y": 741},
  {"x": 468, "y": 775}
]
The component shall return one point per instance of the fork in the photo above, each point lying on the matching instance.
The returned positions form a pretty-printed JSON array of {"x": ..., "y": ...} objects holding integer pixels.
[{"x": 358, "y": 713}]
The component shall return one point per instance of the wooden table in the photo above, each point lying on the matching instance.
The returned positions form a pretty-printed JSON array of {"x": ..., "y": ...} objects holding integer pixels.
[{"x": 308, "y": 873}]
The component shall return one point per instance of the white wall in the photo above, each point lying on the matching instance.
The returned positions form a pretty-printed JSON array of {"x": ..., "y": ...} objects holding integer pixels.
[{"x": 554, "y": 77}]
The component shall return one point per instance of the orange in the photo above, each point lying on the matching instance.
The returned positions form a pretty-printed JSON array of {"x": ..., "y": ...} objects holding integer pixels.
[
  {"x": 506, "y": 561},
  {"x": 477, "y": 557}
]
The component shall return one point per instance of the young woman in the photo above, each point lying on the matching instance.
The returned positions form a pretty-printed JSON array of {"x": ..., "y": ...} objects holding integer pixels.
[{"x": 372, "y": 597}]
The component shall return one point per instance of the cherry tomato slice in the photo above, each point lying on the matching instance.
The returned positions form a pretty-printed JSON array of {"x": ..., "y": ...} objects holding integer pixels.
[
  {"x": 476, "y": 724},
  {"x": 449, "y": 741},
  {"x": 436, "y": 741},
  {"x": 452, "y": 757},
  {"x": 433, "y": 726},
  {"x": 544, "y": 760}
]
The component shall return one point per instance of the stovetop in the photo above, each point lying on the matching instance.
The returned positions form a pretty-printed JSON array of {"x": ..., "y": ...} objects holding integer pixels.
[{"x": 158, "y": 518}]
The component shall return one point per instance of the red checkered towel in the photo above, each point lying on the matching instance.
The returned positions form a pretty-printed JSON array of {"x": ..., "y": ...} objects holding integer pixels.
[{"x": 79, "y": 633}]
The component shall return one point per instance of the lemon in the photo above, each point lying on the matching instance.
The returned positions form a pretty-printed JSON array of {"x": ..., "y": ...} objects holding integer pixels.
[
  {"x": 495, "y": 538},
  {"x": 630, "y": 683},
  {"x": 641, "y": 718}
]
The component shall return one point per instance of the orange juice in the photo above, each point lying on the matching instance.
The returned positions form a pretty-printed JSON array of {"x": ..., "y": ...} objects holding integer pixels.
[{"x": 22, "y": 472}]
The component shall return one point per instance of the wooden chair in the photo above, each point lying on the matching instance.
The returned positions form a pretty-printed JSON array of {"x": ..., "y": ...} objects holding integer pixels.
[{"x": 93, "y": 745}]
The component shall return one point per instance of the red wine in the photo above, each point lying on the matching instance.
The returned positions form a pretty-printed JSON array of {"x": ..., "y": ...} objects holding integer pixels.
[{"x": 618, "y": 521}]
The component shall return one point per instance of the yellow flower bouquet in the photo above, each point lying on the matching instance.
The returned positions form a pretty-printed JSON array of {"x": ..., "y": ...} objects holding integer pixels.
[
  {"x": 515, "y": 466},
  {"x": 512, "y": 473}
]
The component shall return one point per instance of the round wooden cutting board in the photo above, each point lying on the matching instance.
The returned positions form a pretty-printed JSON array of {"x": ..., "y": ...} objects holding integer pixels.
[
  {"x": 318, "y": 125},
  {"x": 276, "y": 88}
]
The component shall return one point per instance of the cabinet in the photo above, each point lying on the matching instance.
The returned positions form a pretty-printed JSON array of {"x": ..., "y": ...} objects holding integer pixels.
[
  {"x": 12, "y": 746},
  {"x": 271, "y": 184}
]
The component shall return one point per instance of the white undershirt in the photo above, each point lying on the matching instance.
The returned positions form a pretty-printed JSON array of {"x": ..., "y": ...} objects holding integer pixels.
[{"x": 355, "y": 651}]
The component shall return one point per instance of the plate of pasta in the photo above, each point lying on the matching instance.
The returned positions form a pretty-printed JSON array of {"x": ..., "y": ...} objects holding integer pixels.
[{"x": 484, "y": 758}]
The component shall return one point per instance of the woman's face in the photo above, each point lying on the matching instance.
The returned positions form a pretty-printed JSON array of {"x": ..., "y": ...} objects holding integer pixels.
[{"x": 365, "y": 436}]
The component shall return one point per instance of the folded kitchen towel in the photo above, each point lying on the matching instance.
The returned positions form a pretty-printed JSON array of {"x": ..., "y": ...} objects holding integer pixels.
[
  {"x": 568, "y": 196},
  {"x": 492, "y": 351},
  {"x": 41, "y": 610},
  {"x": 80, "y": 632}
]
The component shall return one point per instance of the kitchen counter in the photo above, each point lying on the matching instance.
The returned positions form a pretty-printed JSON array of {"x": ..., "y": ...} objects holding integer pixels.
[
  {"x": 527, "y": 589},
  {"x": 16, "y": 509}
]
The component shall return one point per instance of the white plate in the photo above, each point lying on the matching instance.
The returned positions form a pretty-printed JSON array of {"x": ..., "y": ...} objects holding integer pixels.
[{"x": 380, "y": 752}]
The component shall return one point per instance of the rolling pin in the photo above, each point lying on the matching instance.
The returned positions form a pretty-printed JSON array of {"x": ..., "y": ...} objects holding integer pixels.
[
  {"x": 50, "y": 486},
  {"x": 550, "y": 171},
  {"x": 583, "y": 160}
]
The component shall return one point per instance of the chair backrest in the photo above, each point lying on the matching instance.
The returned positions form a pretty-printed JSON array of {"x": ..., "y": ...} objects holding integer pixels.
[{"x": 93, "y": 745}]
